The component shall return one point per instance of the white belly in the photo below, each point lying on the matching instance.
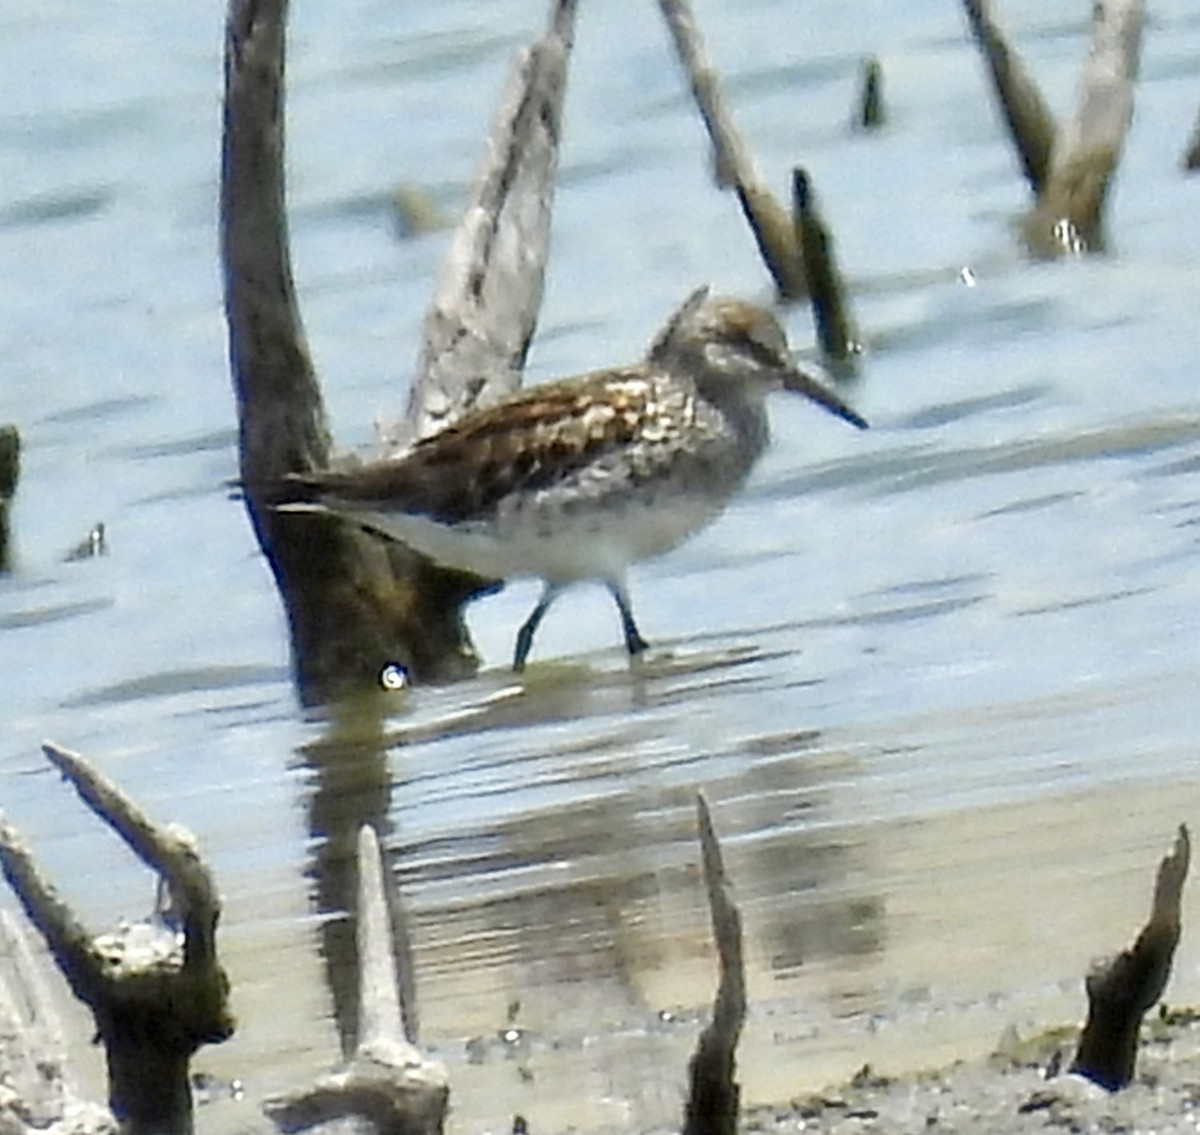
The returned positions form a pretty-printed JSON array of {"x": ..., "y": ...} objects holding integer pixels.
[{"x": 560, "y": 546}]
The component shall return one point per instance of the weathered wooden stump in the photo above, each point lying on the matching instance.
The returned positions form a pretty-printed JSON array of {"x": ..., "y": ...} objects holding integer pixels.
[
  {"x": 1122, "y": 991},
  {"x": 357, "y": 606},
  {"x": 155, "y": 989}
]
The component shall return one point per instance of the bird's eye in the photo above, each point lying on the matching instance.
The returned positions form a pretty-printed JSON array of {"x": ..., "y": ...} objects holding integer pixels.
[{"x": 761, "y": 353}]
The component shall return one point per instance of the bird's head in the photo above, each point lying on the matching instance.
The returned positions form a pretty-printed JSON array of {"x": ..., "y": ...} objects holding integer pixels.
[{"x": 727, "y": 345}]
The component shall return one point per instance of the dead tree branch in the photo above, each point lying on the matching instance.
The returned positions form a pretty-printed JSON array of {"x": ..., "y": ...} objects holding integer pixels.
[
  {"x": 870, "y": 111},
  {"x": 36, "y": 1095}
]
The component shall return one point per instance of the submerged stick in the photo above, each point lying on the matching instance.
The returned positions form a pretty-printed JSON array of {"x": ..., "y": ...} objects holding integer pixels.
[
  {"x": 871, "y": 113},
  {"x": 387, "y": 1080},
  {"x": 733, "y": 165},
  {"x": 10, "y": 469},
  {"x": 714, "y": 1095},
  {"x": 157, "y": 995},
  {"x": 834, "y": 331},
  {"x": 1191, "y": 158},
  {"x": 1121, "y": 992}
]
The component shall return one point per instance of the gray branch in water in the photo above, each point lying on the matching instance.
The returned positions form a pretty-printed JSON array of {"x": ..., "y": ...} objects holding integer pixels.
[
  {"x": 336, "y": 585},
  {"x": 485, "y": 309},
  {"x": 1070, "y": 211},
  {"x": 68, "y": 940},
  {"x": 387, "y": 1081},
  {"x": 714, "y": 1096},
  {"x": 1029, "y": 119},
  {"x": 1120, "y": 993},
  {"x": 733, "y": 164}
]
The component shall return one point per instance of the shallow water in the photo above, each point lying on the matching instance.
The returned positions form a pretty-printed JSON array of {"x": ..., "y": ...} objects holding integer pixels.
[{"x": 938, "y": 680}]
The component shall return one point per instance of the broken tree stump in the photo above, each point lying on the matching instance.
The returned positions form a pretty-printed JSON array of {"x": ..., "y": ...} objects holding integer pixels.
[
  {"x": 1121, "y": 992},
  {"x": 387, "y": 1081},
  {"x": 356, "y": 605},
  {"x": 1069, "y": 168},
  {"x": 714, "y": 1096},
  {"x": 155, "y": 989}
]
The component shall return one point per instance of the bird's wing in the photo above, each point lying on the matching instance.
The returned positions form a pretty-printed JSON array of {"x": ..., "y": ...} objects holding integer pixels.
[{"x": 527, "y": 443}]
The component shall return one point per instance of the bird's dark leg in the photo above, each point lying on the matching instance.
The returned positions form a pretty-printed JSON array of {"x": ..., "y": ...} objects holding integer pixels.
[
  {"x": 526, "y": 633},
  {"x": 634, "y": 642}
]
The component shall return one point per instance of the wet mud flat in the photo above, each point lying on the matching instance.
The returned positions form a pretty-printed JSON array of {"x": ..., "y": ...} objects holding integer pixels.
[{"x": 1012, "y": 1091}]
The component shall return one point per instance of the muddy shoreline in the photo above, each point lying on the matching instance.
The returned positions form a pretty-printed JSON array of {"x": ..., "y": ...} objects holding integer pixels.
[{"x": 1018, "y": 1088}]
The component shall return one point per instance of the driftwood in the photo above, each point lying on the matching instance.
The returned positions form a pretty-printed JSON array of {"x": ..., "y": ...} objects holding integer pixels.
[
  {"x": 156, "y": 990},
  {"x": 1121, "y": 992},
  {"x": 1069, "y": 169},
  {"x": 713, "y": 1097},
  {"x": 387, "y": 1081},
  {"x": 355, "y": 605},
  {"x": 10, "y": 470}
]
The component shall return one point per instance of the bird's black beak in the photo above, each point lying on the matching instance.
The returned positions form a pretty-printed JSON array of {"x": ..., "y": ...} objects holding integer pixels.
[{"x": 796, "y": 380}]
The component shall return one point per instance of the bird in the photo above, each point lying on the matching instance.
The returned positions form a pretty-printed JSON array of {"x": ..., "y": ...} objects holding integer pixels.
[{"x": 577, "y": 479}]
